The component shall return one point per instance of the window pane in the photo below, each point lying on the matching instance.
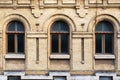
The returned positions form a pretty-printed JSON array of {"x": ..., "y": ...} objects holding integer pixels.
[
  {"x": 108, "y": 43},
  {"x": 104, "y": 26},
  {"x": 106, "y": 78},
  {"x": 14, "y": 78},
  {"x": 54, "y": 43},
  {"x": 64, "y": 43},
  {"x": 63, "y": 26},
  {"x": 56, "y": 26},
  {"x": 99, "y": 27},
  {"x": 60, "y": 26},
  {"x": 59, "y": 78},
  {"x": 11, "y": 27},
  {"x": 16, "y": 26},
  {"x": 11, "y": 43},
  {"x": 107, "y": 26},
  {"x": 20, "y": 26},
  {"x": 98, "y": 43},
  {"x": 20, "y": 43}
]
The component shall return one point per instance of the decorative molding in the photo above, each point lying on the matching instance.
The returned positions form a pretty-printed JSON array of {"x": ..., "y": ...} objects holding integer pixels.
[
  {"x": 36, "y": 13},
  {"x": 103, "y": 4},
  {"x": 73, "y": 75},
  {"x": 24, "y": 2},
  {"x": 57, "y": 4},
  {"x": 15, "y": 4},
  {"x": 14, "y": 73},
  {"x": 58, "y": 56},
  {"x": 50, "y": 77},
  {"x": 6, "y": 2},
  {"x": 82, "y": 72},
  {"x": 82, "y": 12},
  {"x": 40, "y": 35},
  {"x": 35, "y": 8},
  {"x": 104, "y": 57},
  {"x": 36, "y": 72},
  {"x": 82, "y": 35},
  {"x": 34, "y": 77},
  {"x": 15, "y": 56}
]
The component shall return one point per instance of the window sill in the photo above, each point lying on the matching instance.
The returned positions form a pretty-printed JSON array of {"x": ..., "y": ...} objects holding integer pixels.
[
  {"x": 15, "y": 56},
  {"x": 104, "y": 56},
  {"x": 59, "y": 56}
]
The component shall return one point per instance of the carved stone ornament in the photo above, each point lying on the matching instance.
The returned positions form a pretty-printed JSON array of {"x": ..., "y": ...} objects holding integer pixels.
[
  {"x": 82, "y": 12},
  {"x": 36, "y": 13}
]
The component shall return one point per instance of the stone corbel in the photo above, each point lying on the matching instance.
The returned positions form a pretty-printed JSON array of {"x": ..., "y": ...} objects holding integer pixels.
[
  {"x": 81, "y": 12},
  {"x": 105, "y": 3},
  {"x": 14, "y": 4},
  {"x": 36, "y": 11}
]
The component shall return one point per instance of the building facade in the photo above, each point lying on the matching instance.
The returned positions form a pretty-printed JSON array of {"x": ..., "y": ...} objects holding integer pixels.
[{"x": 59, "y": 39}]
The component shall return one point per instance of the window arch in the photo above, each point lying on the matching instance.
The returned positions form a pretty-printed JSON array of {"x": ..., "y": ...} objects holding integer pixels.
[
  {"x": 60, "y": 37},
  {"x": 104, "y": 37},
  {"x": 15, "y": 37}
]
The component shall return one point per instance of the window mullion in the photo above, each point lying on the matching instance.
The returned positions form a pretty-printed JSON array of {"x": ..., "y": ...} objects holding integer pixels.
[
  {"x": 7, "y": 43},
  {"x": 16, "y": 45},
  {"x": 59, "y": 43},
  {"x": 51, "y": 42},
  {"x": 112, "y": 43},
  {"x": 103, "y": 43}
]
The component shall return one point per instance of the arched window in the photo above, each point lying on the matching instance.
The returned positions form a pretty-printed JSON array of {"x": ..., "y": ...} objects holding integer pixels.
[
  {"x": 104, "y": 37},
  {"x": 15, "y": 37},
  {"x": 60, "y": 38}
]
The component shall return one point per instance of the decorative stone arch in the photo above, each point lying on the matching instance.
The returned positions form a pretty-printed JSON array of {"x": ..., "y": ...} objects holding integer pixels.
[
  {"x": 106, "y": 17},
  {"x": 7, "y": 20},
  {"x": 16, "y": 17},
  {"x": 47, "y": 25}
]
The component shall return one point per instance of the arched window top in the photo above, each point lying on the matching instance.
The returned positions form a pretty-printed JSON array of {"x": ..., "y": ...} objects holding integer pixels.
[
  {"x": 104, "y": 26},
  {"x": 15, "y": 26},
  {"x": 60, "y": 26}
]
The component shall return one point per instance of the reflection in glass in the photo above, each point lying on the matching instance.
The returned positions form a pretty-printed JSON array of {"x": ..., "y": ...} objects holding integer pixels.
[
  {"x": 15, "y": 37},
  {"x": 59, "y": 78},
  {"x": 20, "y": 26},
  {"x": 16, "y": 26},
  {"x": 11, "y": 27},
  {"x": 104, "y": 26},
  {"x": 20, "y": 40},
  {"x": 60, "y": 26},
  {"x": 108, "y": 43},
  {"x": 54, "y": 43},
  {"x": 14, "y": 78},
  {"x": 11, "y": 43},
  {"x": 64, "y": 43},
  {"x": 98, "y": 43},
  {"x": 63, "y": 26},
  {"x": 106, "y": 78}
]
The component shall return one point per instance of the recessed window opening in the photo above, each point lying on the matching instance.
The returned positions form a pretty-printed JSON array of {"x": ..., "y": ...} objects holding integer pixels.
[
  {"x": 104, "y": 38},
  {"x": 15, "y": 37},
  {"x": 60, "y": 38}
]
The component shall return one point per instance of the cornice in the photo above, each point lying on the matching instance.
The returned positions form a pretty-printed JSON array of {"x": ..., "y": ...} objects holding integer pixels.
[{"x": 37, "y": 6}]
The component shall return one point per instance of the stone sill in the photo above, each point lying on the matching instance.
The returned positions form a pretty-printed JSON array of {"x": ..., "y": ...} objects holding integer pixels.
[
  {"x": 14, "y": 56},
  {"x": 14, "y": 73},
  {"x": 59, "y": 56},
  {"x": 104, "y": 56}
]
